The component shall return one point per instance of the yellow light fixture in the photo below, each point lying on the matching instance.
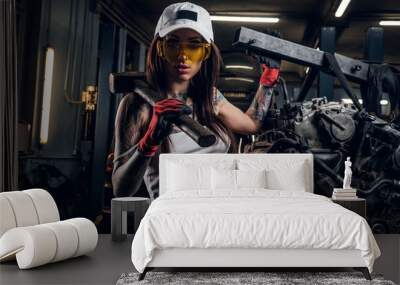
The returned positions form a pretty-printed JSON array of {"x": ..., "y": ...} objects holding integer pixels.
[{"x": 89, "y": 98}]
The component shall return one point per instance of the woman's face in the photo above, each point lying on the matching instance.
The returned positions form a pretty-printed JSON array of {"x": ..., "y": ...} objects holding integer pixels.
[{"x": 183, "y": 68}]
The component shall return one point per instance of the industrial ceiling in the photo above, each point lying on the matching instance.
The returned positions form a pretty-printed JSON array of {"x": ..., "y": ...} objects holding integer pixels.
[{"x": 299, "y": 21}]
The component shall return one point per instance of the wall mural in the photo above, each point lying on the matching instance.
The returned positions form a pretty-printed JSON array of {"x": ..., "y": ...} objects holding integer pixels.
[
  {"x": 358, "y": 128},
  {"x": 331, "y": 131},
  {"x": 310, "y": 127}
]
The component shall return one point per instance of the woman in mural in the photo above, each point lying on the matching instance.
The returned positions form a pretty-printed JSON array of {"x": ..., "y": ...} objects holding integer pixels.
[{"x": 182, "y": 64}]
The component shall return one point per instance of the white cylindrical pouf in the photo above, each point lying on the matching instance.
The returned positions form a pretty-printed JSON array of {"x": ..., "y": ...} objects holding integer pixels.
[
  {"x": 87, "y": 235},
  {"x": 7, "y": 218},
  {"x": 45, "y": 205},
  {"x": 34, "y": 245},
  {"x": 67, "y": 239},
  {"x": 23, "y": 207}
]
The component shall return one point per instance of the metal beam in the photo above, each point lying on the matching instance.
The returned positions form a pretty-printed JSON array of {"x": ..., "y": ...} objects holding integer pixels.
[
  {"x": 316, "y": 21},
  {"x": 355, "y": 70},
  {"x": 101, "y": 135},
  {"x": 373, "y": 53},
  {"x": 123, "y": 18},
  {"x": 374, "y": 50},
  {"x": 327, "y": 44},
  {"x": 307, "y": 83}
]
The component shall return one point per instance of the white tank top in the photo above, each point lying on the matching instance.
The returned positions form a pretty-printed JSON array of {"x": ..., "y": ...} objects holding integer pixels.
[{"x": 180, "y": 142}]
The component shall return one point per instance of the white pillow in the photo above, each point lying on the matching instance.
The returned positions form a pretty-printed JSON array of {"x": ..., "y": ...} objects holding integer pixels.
[
  {"x": 292, "y": 179},
  {"x": 182, "y": 177},
  {"x": 251, "y": 178},
  {"x": 193, "y": 174},
  {"x": 223, "y": 179},
  {"x": 285, "y": 174},
  {"x": 201, "y": 160}
]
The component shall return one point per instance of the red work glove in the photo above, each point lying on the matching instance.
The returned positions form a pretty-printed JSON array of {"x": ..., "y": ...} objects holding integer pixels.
[
  {"x": 270, "y": 75},
  {"x": 164, "y": 112}
]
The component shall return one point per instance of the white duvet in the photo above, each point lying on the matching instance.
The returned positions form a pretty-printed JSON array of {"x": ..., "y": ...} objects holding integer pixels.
[{"x": 253, "y": 218}]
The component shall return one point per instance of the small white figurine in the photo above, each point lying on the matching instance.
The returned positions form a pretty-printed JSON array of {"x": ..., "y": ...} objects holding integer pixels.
[{"x": 347, "y": 174}]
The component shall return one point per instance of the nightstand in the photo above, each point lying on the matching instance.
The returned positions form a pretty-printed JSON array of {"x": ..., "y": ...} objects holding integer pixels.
[
  {"x": 357, "y": 205},
  {"x": 119, "y": 208}
]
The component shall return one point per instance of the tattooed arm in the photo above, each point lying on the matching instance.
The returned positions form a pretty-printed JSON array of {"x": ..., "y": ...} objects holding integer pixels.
[
  {"x": 249, "y": 122},
  {"x": 129, "y": 163},
  {"x": 261, "y": 102}
]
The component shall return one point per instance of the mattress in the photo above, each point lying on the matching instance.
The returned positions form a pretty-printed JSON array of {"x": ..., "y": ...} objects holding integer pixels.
[{"x": 250, "y": 218}]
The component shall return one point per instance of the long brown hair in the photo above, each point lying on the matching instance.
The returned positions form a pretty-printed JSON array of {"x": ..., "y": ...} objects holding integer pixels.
[{"x": 200, "y": 88}]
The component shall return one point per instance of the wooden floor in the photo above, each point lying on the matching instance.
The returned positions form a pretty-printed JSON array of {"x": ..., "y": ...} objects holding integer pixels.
[{"x": 110, "y": 259}]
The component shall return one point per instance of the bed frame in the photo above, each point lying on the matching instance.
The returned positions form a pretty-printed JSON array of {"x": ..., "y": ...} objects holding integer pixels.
[
  {"x": 246, "y": 258},
  {"x": 243, "y": 259}
]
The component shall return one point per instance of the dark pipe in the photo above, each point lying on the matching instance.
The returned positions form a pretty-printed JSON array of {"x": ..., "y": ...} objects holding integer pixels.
[
  {"x": 307, "y": 84},
  {"x": 379, "y": 184},
  {"x": 332, "y": 121},
  {"x": 334, "y": 67},
  {"x": 387, "y": 133},
  {"x": 283, "y": 144},
  {"x": 282, "y": 81},
  {"x": 396, "y": 158},
  {"x": 329, "y": 171}
]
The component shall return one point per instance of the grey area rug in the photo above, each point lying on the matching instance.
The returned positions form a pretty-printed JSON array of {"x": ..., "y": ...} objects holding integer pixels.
[{"x": 243, "y": 278}]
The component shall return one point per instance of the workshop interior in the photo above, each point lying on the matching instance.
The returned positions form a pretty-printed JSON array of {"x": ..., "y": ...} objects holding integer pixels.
[{"x": 67, "y": 65}]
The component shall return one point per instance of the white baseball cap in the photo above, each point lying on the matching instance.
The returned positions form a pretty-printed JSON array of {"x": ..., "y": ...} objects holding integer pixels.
[{"x": 185, "y": 15}]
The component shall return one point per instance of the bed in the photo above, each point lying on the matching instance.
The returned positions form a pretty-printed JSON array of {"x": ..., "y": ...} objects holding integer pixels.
[{"x": 246, "y": 211}]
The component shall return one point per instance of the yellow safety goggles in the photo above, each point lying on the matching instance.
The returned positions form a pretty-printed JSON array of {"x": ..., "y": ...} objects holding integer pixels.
[{"x": 170, "y": 50}]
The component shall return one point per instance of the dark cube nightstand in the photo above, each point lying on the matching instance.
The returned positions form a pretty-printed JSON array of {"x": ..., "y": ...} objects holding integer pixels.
[
  {"x": 119, "y": 208},
  {"x": 357, "y": 205}
]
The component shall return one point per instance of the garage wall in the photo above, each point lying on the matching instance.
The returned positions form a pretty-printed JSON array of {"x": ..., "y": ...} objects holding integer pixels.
[{"x": 71, "y": 28}]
